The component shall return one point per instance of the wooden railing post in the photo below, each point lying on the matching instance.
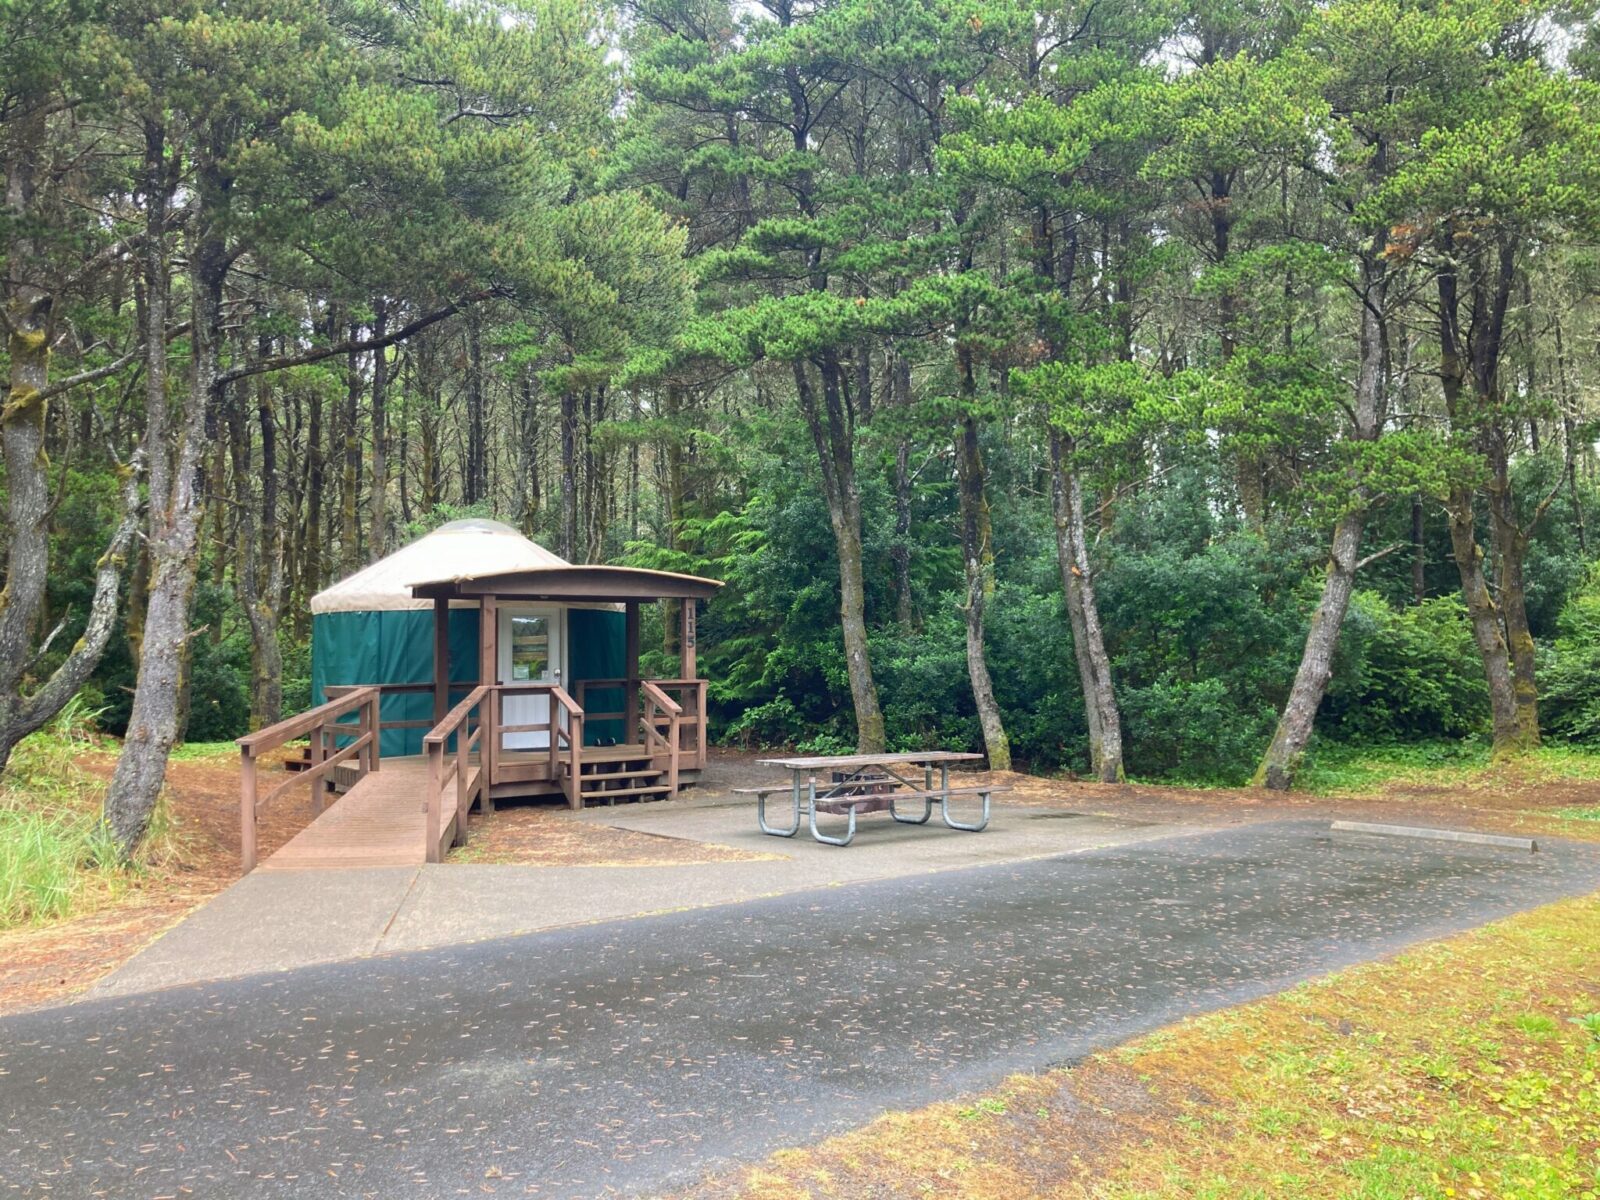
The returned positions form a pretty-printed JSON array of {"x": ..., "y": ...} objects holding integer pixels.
[
  {"x": 435, "y": 787},
  {"x": 375, "y": 725},
  {"x": 575, "y": 796},
  {"x": 463, "y": 746},
  {"x": 247, "y": 811},
  {"x": 489, "y": 747},
  {"x": 672, "y": 758},
  {"x": 317, "y": 794},
  {"x": 703, "y": 730},
  {"x": 558, "y": 726}
]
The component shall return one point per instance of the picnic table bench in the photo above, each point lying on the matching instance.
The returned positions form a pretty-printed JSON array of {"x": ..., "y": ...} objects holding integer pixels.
[{"x": 866, "y": 783}]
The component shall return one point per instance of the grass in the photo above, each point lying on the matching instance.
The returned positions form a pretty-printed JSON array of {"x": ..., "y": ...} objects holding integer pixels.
[
  {"x": 1333, "y": 768},
  {"x": 56, "y": 857},
  {"x": 1465, "y": 1068},
  {"x": 200, "y": 751}
]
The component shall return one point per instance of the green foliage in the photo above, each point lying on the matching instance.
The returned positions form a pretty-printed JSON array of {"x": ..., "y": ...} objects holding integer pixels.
[
  {"x": 1407, "y": 673},
  {"x": 1570, "y": 673},
  {"x": 53, "y": 847}
]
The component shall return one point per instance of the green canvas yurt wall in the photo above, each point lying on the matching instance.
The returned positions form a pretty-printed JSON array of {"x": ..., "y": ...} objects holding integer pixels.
[
  {"x": 369, "y": 628},
  {"x": 391, "y": 647},
  {"x": 597, "y": 649},
  {"x": 397, "y": 647}
]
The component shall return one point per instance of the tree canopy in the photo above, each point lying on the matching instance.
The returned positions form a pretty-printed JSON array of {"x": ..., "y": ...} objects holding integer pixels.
[{"x": 1114, "y": 387}]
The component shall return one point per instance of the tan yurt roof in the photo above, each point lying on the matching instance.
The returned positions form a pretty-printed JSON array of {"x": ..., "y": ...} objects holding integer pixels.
[{"x": 460, "y": 548}]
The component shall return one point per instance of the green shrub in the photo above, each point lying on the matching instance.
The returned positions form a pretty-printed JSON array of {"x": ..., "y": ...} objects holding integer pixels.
[
  {"x": 1194, "y": 732},
  {"x": 1569, "y": 682},
  {"x": 1410, "y": 673}
]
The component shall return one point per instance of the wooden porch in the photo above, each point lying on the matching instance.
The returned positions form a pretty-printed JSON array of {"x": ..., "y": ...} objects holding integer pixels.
[{"x": 412, "y": 809}]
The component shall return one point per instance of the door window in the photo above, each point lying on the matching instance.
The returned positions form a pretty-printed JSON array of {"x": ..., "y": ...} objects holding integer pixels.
[{"x": 530, "y": 648}]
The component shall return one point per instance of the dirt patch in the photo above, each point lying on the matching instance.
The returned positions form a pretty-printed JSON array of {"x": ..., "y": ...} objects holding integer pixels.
[
  {"x": 544, "y": 836},
  {"x": 1503, "y": 800}
]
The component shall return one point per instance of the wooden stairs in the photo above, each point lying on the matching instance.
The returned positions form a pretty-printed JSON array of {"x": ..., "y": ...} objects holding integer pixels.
[{"x": 626, "y": 772}]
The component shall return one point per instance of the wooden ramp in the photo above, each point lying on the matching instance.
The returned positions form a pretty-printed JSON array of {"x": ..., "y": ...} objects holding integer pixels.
[{"x": 379, "y": 822}]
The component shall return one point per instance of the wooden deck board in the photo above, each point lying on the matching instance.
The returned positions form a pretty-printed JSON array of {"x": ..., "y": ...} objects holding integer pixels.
[{"x": 380, "y": 822}]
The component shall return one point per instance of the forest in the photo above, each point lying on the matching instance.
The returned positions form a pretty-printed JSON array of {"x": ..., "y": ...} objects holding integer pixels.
[{"x": 1122, "y": 387}]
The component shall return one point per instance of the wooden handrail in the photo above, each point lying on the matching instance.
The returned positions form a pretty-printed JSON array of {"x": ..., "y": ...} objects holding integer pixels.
[
  {"x": 318, "y": 723},
  {"x": 435, "y": 744},
  {"x": 442, "y": 731},
  {"x": 274, "y": 736},
  {"x": 663, "y": 701},
  {"x": 574, "y": 736}
]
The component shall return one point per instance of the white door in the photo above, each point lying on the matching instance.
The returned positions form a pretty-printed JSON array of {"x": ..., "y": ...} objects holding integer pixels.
[{"x": 530, "y": 652}]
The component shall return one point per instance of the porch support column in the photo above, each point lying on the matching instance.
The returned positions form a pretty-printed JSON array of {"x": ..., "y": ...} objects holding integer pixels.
[
  {"x": 489, "y": 672},
  {"x": 630, "y": 670},
  {"x": 686, "y": 609},
  {"x": 441, "y": 658}
]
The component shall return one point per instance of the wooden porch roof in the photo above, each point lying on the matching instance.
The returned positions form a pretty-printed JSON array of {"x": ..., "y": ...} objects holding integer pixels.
[{"x": 590, "y": 582}]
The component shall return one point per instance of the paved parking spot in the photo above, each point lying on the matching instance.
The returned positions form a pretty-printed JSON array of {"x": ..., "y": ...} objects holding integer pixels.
[{"x": 632, "y": 1055}]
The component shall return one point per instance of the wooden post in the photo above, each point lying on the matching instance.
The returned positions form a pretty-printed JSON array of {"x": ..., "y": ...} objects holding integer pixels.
[
  {"x": 630, "y": 670},
  {"x": 489, "y": 673},
  {"x": 461, "y": 781},
  {"x": 319, "y": 797},
  {"x": 686, "y": 638},
  {"x": 430, "y": 823},
  {"x": 247, "y": 813},
  {"x": 699, "y": 691},
  {"x": 441, "y": 658},
  {"x": 375, "y": 751}
]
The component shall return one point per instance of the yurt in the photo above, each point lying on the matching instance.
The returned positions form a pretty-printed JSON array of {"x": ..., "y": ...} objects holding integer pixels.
[{"x": 369, "y": 628}]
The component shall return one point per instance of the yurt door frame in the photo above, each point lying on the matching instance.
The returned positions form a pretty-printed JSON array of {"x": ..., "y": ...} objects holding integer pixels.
[{"x": 531, "y": 638}]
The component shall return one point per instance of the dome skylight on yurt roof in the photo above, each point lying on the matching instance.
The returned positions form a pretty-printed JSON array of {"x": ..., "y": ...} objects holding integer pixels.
[{"x": 473, "y": 546}]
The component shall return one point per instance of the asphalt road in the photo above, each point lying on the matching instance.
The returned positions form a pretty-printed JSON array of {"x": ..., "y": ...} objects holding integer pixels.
[{"x": 634, "y": 1055}]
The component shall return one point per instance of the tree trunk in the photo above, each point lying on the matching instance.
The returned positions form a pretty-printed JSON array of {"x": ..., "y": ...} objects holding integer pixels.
[
  {"x": 378, "y": 535},
  {"x": 267, "y": 703},
  {"x": 1293, "y": 734},
  {"x": 833, "y": 445},
  {"x": 1511, "y": 553},
  {"x": 1478, "y": 343},
  {"x": 29, "y": 306},
  {"x": 569, "y": 474},
  {"x": 1419, "y": 553},
  {"x": 476, "y": 484},
  {"x": 153, "y": 724},
  {"x": 977, "y": 554},
  {"x": 350, "y": 470},
  {"x": 900, "y": 555},
  {"x": 311, "y": 568},
  {"x": 527, "y": 489},
  {"x": 1487, "y": 630},
  {"x": 1083, "y": 612}
]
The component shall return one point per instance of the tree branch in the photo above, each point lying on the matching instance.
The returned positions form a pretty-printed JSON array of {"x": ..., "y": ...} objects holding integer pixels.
[{"x": 280, "y": 362}]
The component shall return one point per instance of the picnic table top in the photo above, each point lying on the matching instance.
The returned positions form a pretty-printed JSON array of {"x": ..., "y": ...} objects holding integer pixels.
[{"x": 846, "y": 762}]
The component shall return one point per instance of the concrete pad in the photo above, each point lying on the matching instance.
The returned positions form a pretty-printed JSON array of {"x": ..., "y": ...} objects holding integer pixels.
[
  {"x": 270, "y": 921},
  {"x": 279, "y": 920},
  {"x": 453, "y": 904}
]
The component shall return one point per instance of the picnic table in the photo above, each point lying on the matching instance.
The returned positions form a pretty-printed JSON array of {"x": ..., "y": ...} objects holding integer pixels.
[{"x": 862, "y": 783}]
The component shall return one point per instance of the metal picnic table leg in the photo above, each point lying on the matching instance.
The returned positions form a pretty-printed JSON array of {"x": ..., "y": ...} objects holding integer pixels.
[
  {"x": 944, "y": 806},
  {"x": 761, "y": 813},
  {"x": 850, "y": 834},
  {"x": 927, "y": 802}
]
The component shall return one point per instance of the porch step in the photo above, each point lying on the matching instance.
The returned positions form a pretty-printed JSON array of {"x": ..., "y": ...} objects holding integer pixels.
[
  {"x": 612, "y": 795},
  {"x": 611, "y": 754}
]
